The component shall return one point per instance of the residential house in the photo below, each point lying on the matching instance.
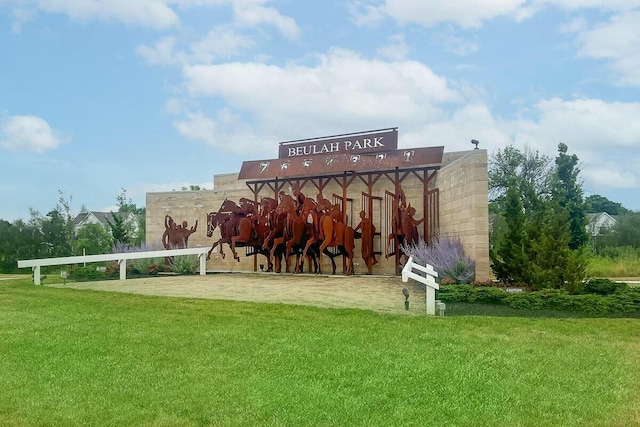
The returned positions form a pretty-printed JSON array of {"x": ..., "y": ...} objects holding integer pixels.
[
  {"x": 103, "y": 218},
  {"x": 599, "y": 222}
]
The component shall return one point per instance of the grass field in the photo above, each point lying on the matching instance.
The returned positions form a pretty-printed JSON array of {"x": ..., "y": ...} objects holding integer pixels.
[{"x": 78, "y": 358}]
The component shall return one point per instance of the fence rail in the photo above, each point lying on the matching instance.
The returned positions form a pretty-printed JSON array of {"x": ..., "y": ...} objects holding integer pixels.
[{"x": 121, "y": 258}]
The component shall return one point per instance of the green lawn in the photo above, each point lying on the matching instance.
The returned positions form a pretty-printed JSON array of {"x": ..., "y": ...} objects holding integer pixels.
[{"x": 78, "y": 358}]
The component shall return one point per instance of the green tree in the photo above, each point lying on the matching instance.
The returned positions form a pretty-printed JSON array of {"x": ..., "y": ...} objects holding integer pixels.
[
  {"x": 531, "y": 171},
  {"x": 18, "y": 240},
  {"x": 119, "y": 230},
  {"x": 598, "y": 203},
  {"x": 556, "y": 265},
  {"x": 133, "y": 217},
  {"x": 93, "y": 239},
  {"x": 508, "y": 256},
  {"x": 55, "y": 228},
  {"x": 567, "y": 191}
]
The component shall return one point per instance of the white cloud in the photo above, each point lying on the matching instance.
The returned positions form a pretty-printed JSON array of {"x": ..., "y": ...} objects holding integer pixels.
[
  {"x": 225, "y": 131},
  {"x": 28, "y": 133},
  {"x": 464, "y": 13},
  {"x": 162, "y": 53},
  {"x": 341, "y": 84},
  {"x": 396, "y": 48},
  {"x": 619, "y": 41},
  {"x": 603, "y": 135},
  {"x": 221, "y": 42},
  {"x": 148, "y": 13},
  {"x": 455, "y": 44},
  {"x": 251, "y": 13}
]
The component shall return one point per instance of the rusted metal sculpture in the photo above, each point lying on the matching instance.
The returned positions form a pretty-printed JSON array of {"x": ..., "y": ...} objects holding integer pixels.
[
  {"x": 367, "y": 230},
  {"x": 404, "y": 225},
  {"x": 272, "y": 228},
  {"x": 240, "y": 225},
  {"x": 176, "y": 236}
]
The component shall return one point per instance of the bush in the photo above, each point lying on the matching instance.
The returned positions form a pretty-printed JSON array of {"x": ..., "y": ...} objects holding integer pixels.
[
  {"x": 454, "y": 293},
  {"x": 446, "y": 256},
  {"x": 488, "y": 295},
  {"x": 86, "y": 273},
  {"x": 622, "y": 301},
  {"x": 148, "y": 265},
  {"x": 112, "y": 270},
  {"x": 603, "y": 286},
  {"x": 185, "y": 264}
]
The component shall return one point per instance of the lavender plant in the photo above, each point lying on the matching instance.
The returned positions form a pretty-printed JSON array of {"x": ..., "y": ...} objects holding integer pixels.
[{"x": 446, "y": 256}]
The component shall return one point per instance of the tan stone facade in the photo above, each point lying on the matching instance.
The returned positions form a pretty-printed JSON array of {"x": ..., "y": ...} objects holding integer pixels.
[{"x": 462, "y": 183}]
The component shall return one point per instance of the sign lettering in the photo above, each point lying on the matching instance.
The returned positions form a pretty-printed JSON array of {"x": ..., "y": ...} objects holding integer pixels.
[{"x": 366, "y": 142}]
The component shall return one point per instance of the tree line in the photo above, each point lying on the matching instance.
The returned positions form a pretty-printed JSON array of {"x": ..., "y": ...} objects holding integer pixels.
[{"x": 54, "y": 234}]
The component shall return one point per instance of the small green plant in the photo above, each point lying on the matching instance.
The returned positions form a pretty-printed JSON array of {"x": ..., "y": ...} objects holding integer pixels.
[
  {"x": 86, "y": 273},
  {"x": 148, "y": 265},
  {"x": 185, "y": 264}
]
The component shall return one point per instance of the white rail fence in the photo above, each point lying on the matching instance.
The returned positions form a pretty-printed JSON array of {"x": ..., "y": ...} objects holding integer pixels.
[
  {"x": 121, "y": 258},
  {"x": 429, "y": 281}
]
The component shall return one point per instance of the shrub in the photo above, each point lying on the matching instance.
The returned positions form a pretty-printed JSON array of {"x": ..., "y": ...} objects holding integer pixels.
[
  {"x": 603, "y": 286},
  {"x": 488, "y": 295},
  {"x": 148, "y": 265},
  {"x": 623, "y": 301},
  {"x": 112, "y": 270},
  {"x": 86, "y": 273},
  {"x": 454, "y": 293},
  {"x": 185, "y": 264},
  {"x": 446, "y": 256}
]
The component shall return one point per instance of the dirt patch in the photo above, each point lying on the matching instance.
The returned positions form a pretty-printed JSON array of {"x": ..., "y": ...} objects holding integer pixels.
[{"x": 376, "y": 293}]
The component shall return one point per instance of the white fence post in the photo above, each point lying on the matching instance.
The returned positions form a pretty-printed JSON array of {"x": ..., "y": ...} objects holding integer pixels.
[
  {"x": 429, "y": 281},
  {"x": 123, "y": 269}
]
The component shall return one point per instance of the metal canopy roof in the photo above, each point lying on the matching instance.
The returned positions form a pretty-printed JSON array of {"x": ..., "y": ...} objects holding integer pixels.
[{"x": 335, "y": 164}]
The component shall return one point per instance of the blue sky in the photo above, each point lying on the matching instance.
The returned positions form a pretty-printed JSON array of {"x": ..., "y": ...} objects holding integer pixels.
[{"x": 154, "y": 95}]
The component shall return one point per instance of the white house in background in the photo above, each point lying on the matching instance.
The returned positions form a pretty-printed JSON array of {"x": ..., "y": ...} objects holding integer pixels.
[
  {"x": 599, "y": 222},
  {"x": 102, "y": 218}
]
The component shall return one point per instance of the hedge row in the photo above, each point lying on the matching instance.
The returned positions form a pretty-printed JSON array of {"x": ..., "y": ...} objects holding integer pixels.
[{"x": 603, "y": 299}]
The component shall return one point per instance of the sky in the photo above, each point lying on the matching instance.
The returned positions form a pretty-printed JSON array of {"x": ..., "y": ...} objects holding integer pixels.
[{"x": 100, "y": 96}]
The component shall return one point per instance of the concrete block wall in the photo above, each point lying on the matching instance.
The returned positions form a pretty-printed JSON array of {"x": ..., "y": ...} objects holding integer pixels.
[{"x": 464, "y": 205}]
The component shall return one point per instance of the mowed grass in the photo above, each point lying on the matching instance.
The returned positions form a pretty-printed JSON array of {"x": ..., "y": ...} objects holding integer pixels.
[{"x": 85, "y": 358}]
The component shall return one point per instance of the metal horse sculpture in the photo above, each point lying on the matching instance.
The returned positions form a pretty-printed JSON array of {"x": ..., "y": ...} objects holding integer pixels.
[
  {"x": 329, "y": 231},
  {"x": 239, "y": 227}
]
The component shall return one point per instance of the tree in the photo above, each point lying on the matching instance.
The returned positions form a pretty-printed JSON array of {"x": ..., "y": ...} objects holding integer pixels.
[
  {"x": 541, "y": 232},
  {"x": 531, "y": 171},
  {"x": 135, "y": 228},
  {"x": 118, "y": 229},
  {"x": 597, "y": 203},
  {"x": 18, "y": 240},
  {"x": 55, "y": 229},
  {"x": 508, "y": 257},
  {"x": 567, "y": 191},
  {"x": 93, "y": 239},
  {"x": 556, "y": 265}
]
